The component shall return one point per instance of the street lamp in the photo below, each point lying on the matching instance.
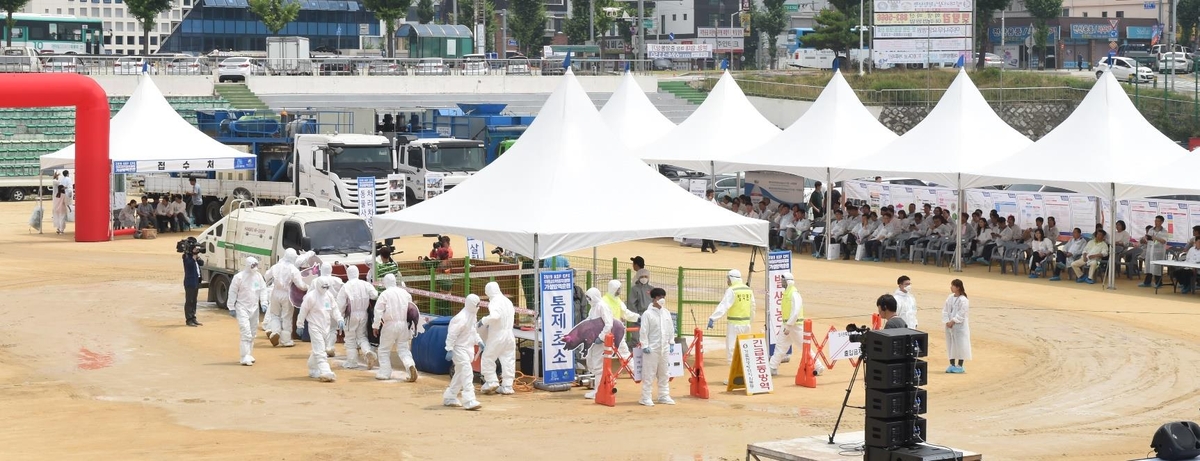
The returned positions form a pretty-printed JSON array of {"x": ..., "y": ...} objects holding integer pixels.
[{"x": 860, "y": 39}]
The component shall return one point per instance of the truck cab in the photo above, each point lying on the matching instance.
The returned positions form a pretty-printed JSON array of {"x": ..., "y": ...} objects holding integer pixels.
[
  {"x": 455, "y": 159},
  {"x": 327, "y": 168},
  {"x": 265, "y": 232}
]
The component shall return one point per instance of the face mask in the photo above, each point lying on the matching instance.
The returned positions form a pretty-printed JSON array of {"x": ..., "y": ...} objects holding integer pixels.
[
  {"x": 643, "y": 280},
  {"x": 908, "y": 289}
]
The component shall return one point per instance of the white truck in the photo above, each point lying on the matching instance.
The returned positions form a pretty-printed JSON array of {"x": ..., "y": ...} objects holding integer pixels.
[
  {"x": 455, "y": 159},
  {"x": 289, "y": 56},
  {"x": 323, "y": 168},
  {"x": 19, "y": 187},
  {"x": 265, "y": 232}
]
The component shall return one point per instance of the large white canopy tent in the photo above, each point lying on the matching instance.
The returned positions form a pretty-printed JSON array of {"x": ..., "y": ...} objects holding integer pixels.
[
  {"x": 725, "y": 125},
  {"x": 1104, "y": 148},
  {"x": 836, "y": 129},
  {"x": 959, "y": 135},
  {"x": 148, "y": 136},
  {"x": 631, "y": 115}
]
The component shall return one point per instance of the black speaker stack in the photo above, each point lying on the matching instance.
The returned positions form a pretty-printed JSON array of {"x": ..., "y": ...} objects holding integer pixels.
[{"x": 895, "y": 400}]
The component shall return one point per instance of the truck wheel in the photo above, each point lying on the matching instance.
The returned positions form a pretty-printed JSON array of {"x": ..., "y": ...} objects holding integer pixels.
[
  {"x": 212, "y": 211},
  {"x": 16, "y": 194},
  {"x": 242, "y": 193},
  {"x": 218, "y": 289}
]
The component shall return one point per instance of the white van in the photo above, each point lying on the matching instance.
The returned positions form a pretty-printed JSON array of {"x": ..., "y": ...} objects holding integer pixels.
[
  {"x": 19, "y": 59},
  {"x": 474, "y": 64}
]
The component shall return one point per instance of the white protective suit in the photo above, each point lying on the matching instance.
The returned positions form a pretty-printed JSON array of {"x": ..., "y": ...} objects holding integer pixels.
[
  {"x": 792, "y": 336},
  {"x": 595, "y": 355},
  {"x": 958, "y": 338},
  {"x": 356, "y": 295},
  {"x": 391, "y": 320},
  {"x": 283, "y": 275},
  {"x": 247, "y": 293},
  {"x": 656, "y": 334},
  {"x": 317, "y": 309},
  {"x": 731, "y": 330},
  {"x": 335, "y": 324},
  {"x": 906, "y": 306},
  {"x": 614, "y": 289},
  {"x": 461, "y": 339},
  {"x": 500, "y": 342}
]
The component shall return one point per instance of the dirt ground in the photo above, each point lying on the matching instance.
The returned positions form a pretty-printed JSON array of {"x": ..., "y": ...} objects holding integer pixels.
[{"x": 97, "y": 364}]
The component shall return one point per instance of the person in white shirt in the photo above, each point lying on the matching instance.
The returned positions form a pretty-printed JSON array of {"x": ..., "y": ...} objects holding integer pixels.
[
  {"x": 707, "y": 244},
  {"x": 958, "y": 333},
  {"x": 786, "y": 222},
  {"x": 836, "y": 230},
  {"x": 858, "y": 235},
  {"x": 995, "y": 238},
  {"x": 162, "y": 212},
  {"x": 1041, "y": 249},
  {"x": 1070, "y": 251},
  {"x": 800, "y": 227},
  {"x": 1186, "y": 276},
  {"x": 906, "y": 303},
  {"x": 179, "y": 214},
  {"x": 879, "y": 237},
  {"x": 67, "y": 183},
  {"x": 968, "y": 234},
  {"x": 128, "y": 215},
  {"x": 1155, "y": 244},
  {"x": 1095, "y": 252}
]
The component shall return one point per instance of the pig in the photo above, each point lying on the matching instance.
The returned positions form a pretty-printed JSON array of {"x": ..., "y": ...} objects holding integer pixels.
[
  {"x": 414, "y": 320},
  {"x": 586, "y": 332}
]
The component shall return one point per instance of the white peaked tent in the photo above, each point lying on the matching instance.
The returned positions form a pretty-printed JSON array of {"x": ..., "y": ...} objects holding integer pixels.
[
  {"x": 725, "y": 125},
  {"x": 569, "y": 158},
  {"x": 147, "y": 131},
  {"x": 836, "y": 129},
  {"x": 958, "y": 136},
  {"x": 631, "y": 115},
  {"x": 1104, "y": 148}
]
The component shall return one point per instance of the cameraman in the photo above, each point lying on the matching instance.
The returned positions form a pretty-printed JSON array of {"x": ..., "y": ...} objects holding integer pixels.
[
  {"x": 191, "y": 282},
  {"x": 887, "y": 311}
]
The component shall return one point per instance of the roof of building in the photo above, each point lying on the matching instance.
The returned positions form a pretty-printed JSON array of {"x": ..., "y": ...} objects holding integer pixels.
[
  {"x": 434, "y": 31},
  {"x": 319, "y": 5}
]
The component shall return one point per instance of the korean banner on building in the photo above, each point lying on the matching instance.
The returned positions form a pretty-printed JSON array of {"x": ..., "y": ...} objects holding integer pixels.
[
  {"x": 778, "y": 263},
  {"x": 922, "y": 31},
  {"x": 921, "y": 18},
  {"x": 366, "y": 198},
  {"x": 924, "y": 5},
  {"x": 675, "y": 51},
  {"x": 557, "y": 307},
  {"x": 181, "y": 166}
]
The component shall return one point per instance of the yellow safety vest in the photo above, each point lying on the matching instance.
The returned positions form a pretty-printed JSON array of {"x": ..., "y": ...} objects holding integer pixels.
[
  {"x": 743, "y": 304},
  {"x": 787, "y": 304},
  {"x": 615, "y": 305}
]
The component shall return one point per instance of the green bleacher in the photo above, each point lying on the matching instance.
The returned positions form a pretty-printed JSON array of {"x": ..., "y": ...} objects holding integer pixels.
[{"x": 27, "y": 134}]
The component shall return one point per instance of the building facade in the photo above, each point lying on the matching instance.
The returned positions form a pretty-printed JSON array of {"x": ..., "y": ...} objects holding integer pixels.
[
  {"x": 122, "y": 32},
  {"x": 228, "y": 25}
]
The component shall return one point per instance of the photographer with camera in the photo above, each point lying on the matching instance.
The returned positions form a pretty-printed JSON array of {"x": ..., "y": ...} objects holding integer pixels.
[
  {"x": 191, "y": 277},
  {"x": 887, "y": 311}
]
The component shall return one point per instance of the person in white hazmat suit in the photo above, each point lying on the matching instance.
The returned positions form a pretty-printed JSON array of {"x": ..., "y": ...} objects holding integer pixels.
[
  {"x": 391, "y": 325},
  {"x": 906, "y": 303},
  {"x": 357, "y": 295},
  {"x": 738, "y": 306},
  {"x": 317, "y": 309},
  {"x": 460, "y": 339},
  {"x": 656, "y": 334},
  {"x": 793, "y": 328},
  {"x": 958, "y": 332},
  {"x": 619, "y": 311},
  {"x": 500, "y": 343},
  {"x": 335, "y": 287},
  {"x": 282, "y": 276},
  {"x": 595, "y": 354},
  {"x": 247, "y": 293}
]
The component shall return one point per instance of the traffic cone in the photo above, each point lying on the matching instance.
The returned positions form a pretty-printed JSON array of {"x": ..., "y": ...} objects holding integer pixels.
[
  {"x": 876, "y": 322},
  {"x": 806, "y": 375},
  {"x": 699, "y": 384},
  {"x": 606, "y": 390}
]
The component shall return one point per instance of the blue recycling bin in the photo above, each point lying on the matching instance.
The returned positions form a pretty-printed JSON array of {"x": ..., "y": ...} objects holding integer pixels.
[{"x": 429, "y": 348}]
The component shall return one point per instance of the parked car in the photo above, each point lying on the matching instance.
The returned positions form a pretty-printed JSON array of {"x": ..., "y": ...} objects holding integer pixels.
[
  {"x": 1175, "y": 58},
  {"x": 336, "y": 66},
  {"x": 663, "y": 64},
  {"x": 991, "y": 60},
  {"x": 518, "y": 67},
  {"x": 474, "y": 64},
  {"x": 1125, "y": 69},
  {"x": 381, "y": 67},
  {"x": 19, "y": 59},
  {"x": 132, "y": 65},
  {"x": 188, "y": 66},
  {"x": 431, "y": 66},
  {"x": 552, "y": 67},
  {"x": 237, "y": 69},
  {"x": 64, "y": 65}
]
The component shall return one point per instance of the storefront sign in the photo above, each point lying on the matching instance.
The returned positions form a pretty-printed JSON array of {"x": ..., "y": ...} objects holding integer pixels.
[
  {"x": 1139, "y": 32},
  {"x": 924, "y": 5},
  {"x": 670, "y": 51},
  {"x": 921, "y": 18},
  {"x": 1092, "y": 31},
  {"x": 922, "y": 31}
]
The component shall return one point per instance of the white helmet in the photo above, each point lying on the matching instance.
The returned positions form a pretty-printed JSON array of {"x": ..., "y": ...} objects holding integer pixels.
[
  {"x": 787, "y": 276},
  {"x": 735, "y": 274}
]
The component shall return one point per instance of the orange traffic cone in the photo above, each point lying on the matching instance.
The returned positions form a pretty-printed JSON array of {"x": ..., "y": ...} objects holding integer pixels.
[
  {"x": 606, "y": 389},
  {"x": 699, "y": 384},
  {"x": 876, "y": 322},
  {"x": 806, "y": 375}
]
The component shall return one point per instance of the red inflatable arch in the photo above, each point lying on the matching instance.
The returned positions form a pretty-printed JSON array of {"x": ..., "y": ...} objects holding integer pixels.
[{"x": 93, "y": 217}]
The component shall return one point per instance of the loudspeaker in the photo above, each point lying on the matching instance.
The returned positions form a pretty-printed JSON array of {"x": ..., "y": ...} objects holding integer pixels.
[
  {"x": 896, "y": 375},
  {"x": 917, "y": 453},
  {"x": 895, "y": 432},
  {"x": 895, "y": 343},
  {"x": 891, "y": 404},
  {"x": 1177, "y": 441}
]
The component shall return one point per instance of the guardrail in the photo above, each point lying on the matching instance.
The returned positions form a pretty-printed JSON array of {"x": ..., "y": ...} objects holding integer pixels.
[
  {"x": 899, "y": 97},
  {"x": 317, "y": 66}
]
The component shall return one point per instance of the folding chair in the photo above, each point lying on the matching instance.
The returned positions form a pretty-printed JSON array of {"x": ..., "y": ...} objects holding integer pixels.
[{"x": 932, "y": 249}]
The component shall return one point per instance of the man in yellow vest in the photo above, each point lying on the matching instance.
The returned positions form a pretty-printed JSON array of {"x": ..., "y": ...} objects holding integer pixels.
[
  {"x": 793, "y": 328},
  {"x": 739, "y": 304},
  {"x": 619, "y": 311}
]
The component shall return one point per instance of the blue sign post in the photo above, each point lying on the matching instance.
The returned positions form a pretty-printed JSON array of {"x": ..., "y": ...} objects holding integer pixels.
[
  {"x": 671, "y": 37},
  {"x": 557, "y": 318}
]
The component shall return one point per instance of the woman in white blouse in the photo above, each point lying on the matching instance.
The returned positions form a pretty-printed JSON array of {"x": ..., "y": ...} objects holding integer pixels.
[
  {"x": 958, "y": 333},
  {"x": 1040, "y": 248},
  {"x": 1155, "y": 243}
]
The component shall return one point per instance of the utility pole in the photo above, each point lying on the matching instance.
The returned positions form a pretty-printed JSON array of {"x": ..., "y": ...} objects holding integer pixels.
[
  {"x": 480, "y": 29},
  {"x": 504, "y": 34},
  {"x": 641, "y": 34},
  {"x": 860, "y": 38},
  {"x": 592, "y": 21}
]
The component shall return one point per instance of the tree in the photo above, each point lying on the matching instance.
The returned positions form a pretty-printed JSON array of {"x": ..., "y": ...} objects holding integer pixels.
[
  {"x": 466, "y": 15},
  {"x": 527, "y": 24},
  {"x": 10, "y": 6},
  {"x": 1188, "y": 17},
  {"x": 389, "y": 11},
  {"x": 425, "y": 11},
  {"x": 576, "y": 27},
  {"x": 1042, "y": 11},
  {"x": 770, "y": 20},
  {"x": 275, "y": 14},
  {"x": 145, "y": 11},
  {"x": 832, "y": 31},
  {"x": 985, "y": 10}
]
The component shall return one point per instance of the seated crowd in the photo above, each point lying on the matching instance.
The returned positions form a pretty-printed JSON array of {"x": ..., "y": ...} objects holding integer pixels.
[{"x": 167, "y": 213}]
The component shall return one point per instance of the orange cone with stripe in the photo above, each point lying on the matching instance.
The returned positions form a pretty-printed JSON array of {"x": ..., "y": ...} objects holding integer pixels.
[
  {"x": 606, "y": 389},
  {"x": 699, "y": 384},
  {"x": 806, "y": 375}
]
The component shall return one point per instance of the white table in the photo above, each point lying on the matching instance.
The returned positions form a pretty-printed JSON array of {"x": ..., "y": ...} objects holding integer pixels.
[{"x": 1175, "y": 264}]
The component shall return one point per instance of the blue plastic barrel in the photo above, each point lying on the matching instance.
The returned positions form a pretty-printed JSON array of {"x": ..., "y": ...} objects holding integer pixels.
[{"x": 429, "y": 348}]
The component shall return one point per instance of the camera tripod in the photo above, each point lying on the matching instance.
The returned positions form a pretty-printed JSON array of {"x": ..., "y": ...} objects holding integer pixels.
[{"x": 845, "y": 401}]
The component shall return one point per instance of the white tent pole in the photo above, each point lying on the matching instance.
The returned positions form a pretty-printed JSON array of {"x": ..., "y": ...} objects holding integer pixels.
[
  {"x": 958, "y": 228},
  {"x": 828, "y": 212},
  {"x": 1112, "y": 252},
  {"x": 595, "y": 269},
  {"x": 537, "y": 295}
]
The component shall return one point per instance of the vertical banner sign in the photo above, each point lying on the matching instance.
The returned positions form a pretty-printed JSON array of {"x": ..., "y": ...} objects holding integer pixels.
[
  {"x": 397, "y": 198},
  {"x": 749, "y": 369},
  {"x": 557, "y": 320},
  {"x": 434, "y": 184},
  {"x": 778, "y": 262},
  {"x": 366, "y": 198},
  {"x": 475, "y": 249}
]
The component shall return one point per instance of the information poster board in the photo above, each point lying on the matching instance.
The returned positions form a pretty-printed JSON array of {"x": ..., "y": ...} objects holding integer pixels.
[
  {"x": 434, "y": 184},
  {"x": 366, "y": 199},
  {"x": 557, "y": 318},
  {"x": 749, "y": 369},
  {"x": 397, "y": 198},
  {"x": 778, "y": 263}
]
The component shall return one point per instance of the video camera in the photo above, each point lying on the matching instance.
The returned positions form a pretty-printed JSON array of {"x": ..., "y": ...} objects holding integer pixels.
[
  {"x": 498, "y": 251},
  {"x": 185, "y": 246},
  {"x": 856, "y": 332},
  {"x": 385, "y": 247}
]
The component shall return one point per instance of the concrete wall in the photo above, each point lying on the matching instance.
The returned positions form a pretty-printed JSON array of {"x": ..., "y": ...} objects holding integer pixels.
[
  {"x": 782, "y": 112},
  {"x": 449, "y": 84},
  {"x": 170, "y": 85}
]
